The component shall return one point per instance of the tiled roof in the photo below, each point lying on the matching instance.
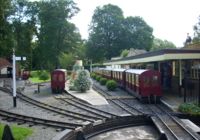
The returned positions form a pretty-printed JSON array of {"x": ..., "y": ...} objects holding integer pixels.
[{"x": 4, "y": 63}]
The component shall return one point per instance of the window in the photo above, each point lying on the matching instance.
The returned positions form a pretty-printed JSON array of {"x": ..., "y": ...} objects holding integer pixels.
[
  {"x": 55, "y": 77},
  {"x": 155, "y": 80},
  {"x": 136, "y": 80},
  {"x": 60, "y": 78},
  {"x": 133, "y": 80}
]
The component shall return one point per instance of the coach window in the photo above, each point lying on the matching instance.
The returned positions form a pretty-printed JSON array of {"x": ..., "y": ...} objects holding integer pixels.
[
  {"x": 133, "y": 79},
  {"x": 129, "y": 77},
  {"x": 60, "y": 78},
  {"x": 136, "y": 80},
  {"x": 155, "y": 80},
  {"x": 146, "y": 81},
  {"x": 54, "y": 77}
]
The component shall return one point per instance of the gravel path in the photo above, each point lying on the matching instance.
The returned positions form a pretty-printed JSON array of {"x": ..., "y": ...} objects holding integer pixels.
[{"x": 39, "y": 132}]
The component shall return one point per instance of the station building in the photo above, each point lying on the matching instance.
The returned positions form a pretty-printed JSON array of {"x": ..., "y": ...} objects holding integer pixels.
[
  {"x": 5, "y": 68},
  {"x": 179, "y": 68}
]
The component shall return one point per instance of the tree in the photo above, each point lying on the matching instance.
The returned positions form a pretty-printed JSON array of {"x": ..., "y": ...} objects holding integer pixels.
[
  {"x": 197, "y": 32},
  {"x": 137, "y": 33},
  {"x": 105, "y": 30},
  {"x": 124, "y": 53},
  {"x": 57, "y": 35},
  {"x": 6, "y": 37},
  {"x": 159, "y": 44},
  {"x": 110, "y": 33}
]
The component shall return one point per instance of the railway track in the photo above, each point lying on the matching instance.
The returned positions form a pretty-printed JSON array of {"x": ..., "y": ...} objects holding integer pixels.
[
  {"x": 170, "y": 125},
  {"x": 64, "y": 112},
  {"x": 132, "y": 110},
  {"x": 69, "y": 99},
  {"x": 23, "y": 119}
]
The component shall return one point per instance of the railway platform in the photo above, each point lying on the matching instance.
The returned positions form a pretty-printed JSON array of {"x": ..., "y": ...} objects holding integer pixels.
[
  {"x": 90, "y": 96},
  {"x": 172, "y": 100}
]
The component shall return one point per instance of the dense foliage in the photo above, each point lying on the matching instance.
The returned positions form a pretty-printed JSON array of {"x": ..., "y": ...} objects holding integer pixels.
[
  {"x": 41, "y": 31},
  {"x": 159, "y": 44},
  {"x": 103, "y": 81},
  {"x": 197, "y": 32},
  {"x": 110, "y": 33},
  {"x": 83, "y": 81},
  {"x": 111, "y": 85},
  {"x": 189, "y": 108}
]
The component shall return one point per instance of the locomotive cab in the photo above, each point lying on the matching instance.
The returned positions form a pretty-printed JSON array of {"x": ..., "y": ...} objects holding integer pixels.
[{"x": 58, "y": 79}]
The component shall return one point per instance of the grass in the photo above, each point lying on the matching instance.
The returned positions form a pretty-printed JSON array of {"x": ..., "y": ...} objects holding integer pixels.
[
  {"x": 19, "y": 133},
  {"x": 35, "y": 77}
]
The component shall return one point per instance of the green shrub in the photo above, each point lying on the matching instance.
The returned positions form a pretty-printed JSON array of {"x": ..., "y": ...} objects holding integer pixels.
[
  {"x": 98, "y": 78},
  {"x": 111, "y": 85},
  {"x": 189, "y": 108},
  {"x": 103, "y": 81},
  {"x": 93, "y": 75},
  {"x": 83, "y": 81},
  {"x": 44, "y": 76}
]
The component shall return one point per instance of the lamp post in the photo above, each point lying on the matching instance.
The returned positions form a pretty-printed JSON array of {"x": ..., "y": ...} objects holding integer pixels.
[
  {"x": 14, "y": 76},
  {"x": 14, "y": 81}
]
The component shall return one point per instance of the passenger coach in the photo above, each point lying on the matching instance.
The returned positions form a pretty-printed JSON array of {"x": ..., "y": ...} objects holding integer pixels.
[{"x": 143, "y": 83}]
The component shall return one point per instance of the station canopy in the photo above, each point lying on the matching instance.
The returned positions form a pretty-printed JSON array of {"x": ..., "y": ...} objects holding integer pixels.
[{"x": 160, "y": 55}]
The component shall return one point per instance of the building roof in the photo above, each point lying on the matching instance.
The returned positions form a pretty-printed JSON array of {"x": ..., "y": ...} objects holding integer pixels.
[
  {"x": 160, "y": 55},
  {"x": 4, "y": 63}
]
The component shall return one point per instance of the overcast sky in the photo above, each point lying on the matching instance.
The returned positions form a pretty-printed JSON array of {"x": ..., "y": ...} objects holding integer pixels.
[{"x": 170, "y": 19}]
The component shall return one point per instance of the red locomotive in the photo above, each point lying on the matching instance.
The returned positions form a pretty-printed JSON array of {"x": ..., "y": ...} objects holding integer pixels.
[
  {"x": 58, "y": 79},
  {"x": 143, "y": 83}
]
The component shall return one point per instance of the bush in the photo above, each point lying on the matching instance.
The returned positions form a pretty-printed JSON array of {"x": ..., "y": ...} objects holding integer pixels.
[
  {"x": 83, "y": 81},
  {"x": 93, "y": 75},
  {"x": 44, "y": 76},
  {"x": 111, "y": 85},
  {"x": 98, "y": 78},
  {"x": 103, "y": 81},
  {"x": 189, "y": 108}
]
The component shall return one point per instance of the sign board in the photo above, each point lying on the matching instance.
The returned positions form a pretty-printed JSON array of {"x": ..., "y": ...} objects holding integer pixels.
[{"x": 18, "y": 58}]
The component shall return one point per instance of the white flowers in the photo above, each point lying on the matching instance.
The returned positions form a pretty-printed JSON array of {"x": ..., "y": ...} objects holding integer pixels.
[{"x": 83, "y": 81}]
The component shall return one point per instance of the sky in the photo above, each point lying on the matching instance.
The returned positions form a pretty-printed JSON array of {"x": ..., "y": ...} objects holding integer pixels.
[{"x": 170, "y": 19}]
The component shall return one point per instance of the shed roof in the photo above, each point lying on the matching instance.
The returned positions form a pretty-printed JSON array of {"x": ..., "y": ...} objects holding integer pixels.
[{"x": 4, "y": 63}]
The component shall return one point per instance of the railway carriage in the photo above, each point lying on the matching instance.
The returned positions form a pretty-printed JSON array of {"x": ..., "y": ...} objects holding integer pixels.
[
  {"x": 118, "y": 76},
  {"x": 143, "y": 83},
  {"x": 58, "y": 79}
]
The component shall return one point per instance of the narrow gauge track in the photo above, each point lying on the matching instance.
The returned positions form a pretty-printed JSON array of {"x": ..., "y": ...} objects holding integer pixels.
[
  {"x": 81, "y": 104},
  {"x": 120, "y": 103},
  {"x": 54, "y": 109},
  {"x": 172, "y": 127},
  {"x": 21, "y": 119}
]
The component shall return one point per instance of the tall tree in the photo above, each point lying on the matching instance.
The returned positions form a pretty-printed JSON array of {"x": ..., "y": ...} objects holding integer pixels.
[
  {"x": 6, "y": 38},
  {"x": 159, "y": 44},
  {"x": 24, "y": 29},
  {"x": 57, "y": 35},
  {"x": 105, "y": 30},
  {"x": 137, "y": 33},
  {"x": 110, "y": 33}
]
